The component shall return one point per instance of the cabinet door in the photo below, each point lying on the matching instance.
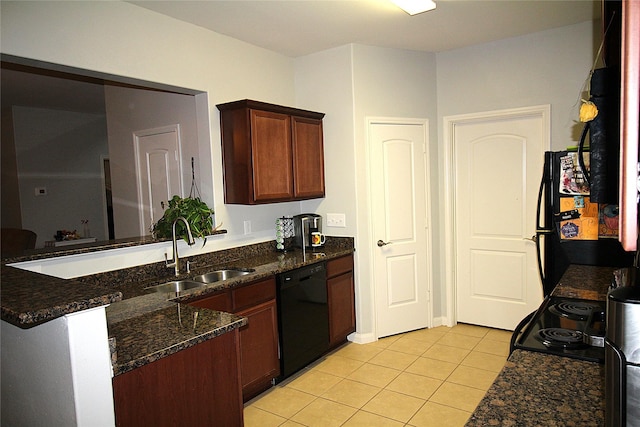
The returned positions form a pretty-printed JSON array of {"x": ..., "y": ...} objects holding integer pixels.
[
  {"x": 308, "y": 158},
  {"x": 253, "y": 294},
  {"x": 195, "y": 386},
  {"x": 271, "y": 156},
  {"x": 342, "y": 319},
  {"x": 259, "y": 348}
]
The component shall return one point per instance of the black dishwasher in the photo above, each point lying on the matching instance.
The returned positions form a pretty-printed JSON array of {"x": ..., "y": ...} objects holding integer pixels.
[{"x": 303, "y": 317}]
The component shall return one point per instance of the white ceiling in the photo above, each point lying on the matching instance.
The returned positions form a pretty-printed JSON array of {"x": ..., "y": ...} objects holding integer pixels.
[{"x": 300, "y": 27}]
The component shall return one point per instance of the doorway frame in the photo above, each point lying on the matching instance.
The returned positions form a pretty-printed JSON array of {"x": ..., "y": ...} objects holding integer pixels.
[{"x": 449, "y": 124}]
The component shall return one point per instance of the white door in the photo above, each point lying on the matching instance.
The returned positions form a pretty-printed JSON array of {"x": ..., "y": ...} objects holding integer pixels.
[
  {"x": 401, "y": 237},
  {"x": 157, "y": 171},
  {"x": 498, "y": 163}
]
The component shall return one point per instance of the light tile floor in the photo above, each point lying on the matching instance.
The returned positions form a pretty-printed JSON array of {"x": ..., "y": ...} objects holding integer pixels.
[{"x": 424, "y": 378}]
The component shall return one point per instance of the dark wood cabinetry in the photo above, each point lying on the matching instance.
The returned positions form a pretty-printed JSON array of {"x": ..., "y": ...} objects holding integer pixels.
[
  {"x": 220, "y": 301},
  {"x": 340, "y": 293},
  {"x": 195, "y": 386},
  {"x": 259, "y": 362},
  {"x": 271, "y": 153},
  {"x": 259, "y": 349}
]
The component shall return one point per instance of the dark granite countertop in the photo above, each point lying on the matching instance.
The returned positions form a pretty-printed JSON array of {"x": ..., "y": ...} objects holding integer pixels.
[
  {"x": 585, "y": 282},
  {"x": 155, "y": 334},
  {"x": 536, "y": 389},
  {"x": 29, "y": 299},
  {"x": 144, "y": 325}
]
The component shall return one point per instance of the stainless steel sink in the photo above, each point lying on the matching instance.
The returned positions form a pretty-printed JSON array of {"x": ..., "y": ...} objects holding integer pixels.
[
  {"x": 219, "y": 275},
  {"x": 177, "y": 286}
]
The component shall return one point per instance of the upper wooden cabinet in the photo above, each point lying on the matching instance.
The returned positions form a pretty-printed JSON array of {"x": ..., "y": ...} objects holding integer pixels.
[{"x": 270, "y": 153}]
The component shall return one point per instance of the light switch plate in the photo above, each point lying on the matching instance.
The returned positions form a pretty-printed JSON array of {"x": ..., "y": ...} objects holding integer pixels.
[
  {"x": 247, "y": 227},
  {"x": 336, "y": 220}
]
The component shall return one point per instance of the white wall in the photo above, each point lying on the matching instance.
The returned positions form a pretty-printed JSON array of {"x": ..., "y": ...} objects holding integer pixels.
[
  {"x": 130, "y": 110},
  {"x": 387, "y": 83},
  {"x": 548, "y": 67},
  {"x": 64, "y": 157},
  {"x": 123, "y": 39},
  {"x": 347, "y": 83},
  {"x": 352, "y": 83},
  {"x": 58, "y": 373}
]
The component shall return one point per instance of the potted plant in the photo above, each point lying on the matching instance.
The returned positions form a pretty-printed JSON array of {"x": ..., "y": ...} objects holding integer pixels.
[{"x": 195, "y": 211}]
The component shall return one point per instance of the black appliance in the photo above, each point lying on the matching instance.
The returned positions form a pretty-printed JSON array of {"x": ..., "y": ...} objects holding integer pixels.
[
  {"x": 562, "y": 185},
  {"x": 562, "y": 199},
  {"x": 303, "y": 317},
  {"x": 565, "y": 327},
  {"x": 622, "y": 357}
]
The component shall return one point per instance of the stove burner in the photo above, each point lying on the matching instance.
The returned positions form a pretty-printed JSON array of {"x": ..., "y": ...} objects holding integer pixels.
[
  {"x": 574, "y": 310},
  {"x": 560, "y": 337}
]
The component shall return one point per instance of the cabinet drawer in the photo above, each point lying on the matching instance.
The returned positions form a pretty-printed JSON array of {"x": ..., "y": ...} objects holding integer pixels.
[
  {"x": 339, "y": 265},
  {"x": 220, "y": 301},
  {"x": 254, "y": 294}
]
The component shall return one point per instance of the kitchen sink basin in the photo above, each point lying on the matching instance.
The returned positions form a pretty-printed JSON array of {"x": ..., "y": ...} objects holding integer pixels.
[
  {"x": 177, "y": 286},
  {"x": 218, "y": 275}
]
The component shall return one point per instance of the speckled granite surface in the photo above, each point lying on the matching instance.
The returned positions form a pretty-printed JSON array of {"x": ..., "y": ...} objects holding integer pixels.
[
  {"x": 29, "y": 299},
  {"x": 537, "y": 389},
  {"x": 159, "y": 333},
  {"x": 144, "y": 324},
  {"x": 585, "y": 282}
]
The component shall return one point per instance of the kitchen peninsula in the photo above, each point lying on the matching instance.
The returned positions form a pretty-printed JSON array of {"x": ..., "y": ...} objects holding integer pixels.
[{"x": 59, "y": 317}]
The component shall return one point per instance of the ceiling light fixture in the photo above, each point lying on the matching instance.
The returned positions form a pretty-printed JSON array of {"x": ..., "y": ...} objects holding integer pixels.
[{"x": 413, "y": 7}]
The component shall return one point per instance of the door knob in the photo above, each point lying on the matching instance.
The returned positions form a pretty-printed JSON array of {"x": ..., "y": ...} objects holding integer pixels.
[
  {"x": 381, "y": 243},
  {"x": 533, "y": 238}
]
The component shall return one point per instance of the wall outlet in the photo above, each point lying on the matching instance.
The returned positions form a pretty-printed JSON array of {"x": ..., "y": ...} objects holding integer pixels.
[
  {"x": 336, "y": 220},
  {"x": 247, "y": 227},
  {"x": 41, "y": 191}
]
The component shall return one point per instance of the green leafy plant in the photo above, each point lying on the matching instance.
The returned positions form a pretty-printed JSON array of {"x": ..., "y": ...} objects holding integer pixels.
[{"x": 196, "y": 212}]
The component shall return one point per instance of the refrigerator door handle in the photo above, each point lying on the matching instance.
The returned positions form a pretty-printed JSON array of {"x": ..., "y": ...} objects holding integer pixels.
[
  {"x": 536, "y": 236},
  {"x": 541, "y": 229},
  {"x": 539, "y": 206}
]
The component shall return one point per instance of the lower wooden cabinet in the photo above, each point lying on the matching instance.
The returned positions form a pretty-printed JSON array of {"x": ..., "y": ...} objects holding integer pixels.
[
  {"x": 195, "y": 386},
  {"x": 340, "y": 294},
  {"x": 220, "y": 302},
  {"x": 259, "y": 349},
  {"x": 259, "y": 362}
]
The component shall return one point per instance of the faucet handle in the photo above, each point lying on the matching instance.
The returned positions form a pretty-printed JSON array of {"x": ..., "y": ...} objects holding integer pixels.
[{"x": 189, "y": 263}]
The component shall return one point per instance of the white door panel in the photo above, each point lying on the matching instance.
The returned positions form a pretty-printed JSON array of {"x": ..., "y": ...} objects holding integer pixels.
[
  {"x": 498, "y": 164},
  {"x": 402, "y": 286},
  {"x": 157, "y": 171},
  {"x": 399, "y": 216}
]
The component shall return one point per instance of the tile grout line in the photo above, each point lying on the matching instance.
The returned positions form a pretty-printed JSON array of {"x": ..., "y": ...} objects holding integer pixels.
[{"x": 398, "y": 372}]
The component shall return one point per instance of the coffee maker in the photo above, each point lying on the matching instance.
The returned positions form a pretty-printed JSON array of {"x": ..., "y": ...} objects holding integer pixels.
[{"x": 304, "y": 225}]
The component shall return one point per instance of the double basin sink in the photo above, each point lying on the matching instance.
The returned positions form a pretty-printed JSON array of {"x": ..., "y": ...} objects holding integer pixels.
[{"x": 177, "y": 286}]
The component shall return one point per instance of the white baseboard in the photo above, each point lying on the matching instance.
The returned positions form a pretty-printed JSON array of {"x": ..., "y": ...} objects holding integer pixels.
[
  {"x": 440, "y": 321},
  {"x": 359, "y": 338}
]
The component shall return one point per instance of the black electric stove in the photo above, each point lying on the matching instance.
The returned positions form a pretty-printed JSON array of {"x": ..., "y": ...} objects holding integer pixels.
[{"x": 565, "y": 327}]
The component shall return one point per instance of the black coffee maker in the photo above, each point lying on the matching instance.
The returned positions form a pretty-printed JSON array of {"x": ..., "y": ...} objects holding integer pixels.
[{"x": 304, "y": 226}]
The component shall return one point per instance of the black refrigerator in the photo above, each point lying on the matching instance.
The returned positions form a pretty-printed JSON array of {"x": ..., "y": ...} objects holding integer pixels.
[{"x": 570, "y": 229}]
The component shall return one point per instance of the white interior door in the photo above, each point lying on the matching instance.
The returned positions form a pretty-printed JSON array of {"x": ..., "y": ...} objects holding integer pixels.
[
  {"x": 158, "y": 172},
  {"x": 498, "y": 166},
  {"x": 401, "y": 237}
]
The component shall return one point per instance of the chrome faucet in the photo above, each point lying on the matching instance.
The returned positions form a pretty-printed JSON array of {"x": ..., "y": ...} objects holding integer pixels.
[{"x": 175, "y": 262}]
